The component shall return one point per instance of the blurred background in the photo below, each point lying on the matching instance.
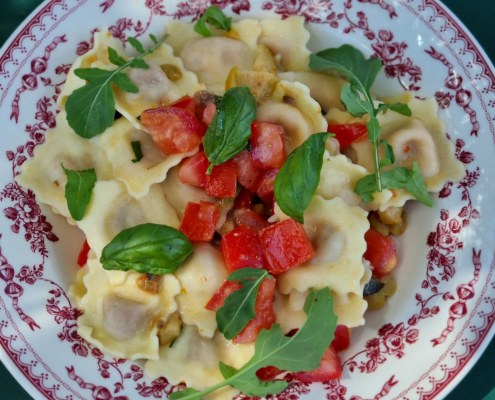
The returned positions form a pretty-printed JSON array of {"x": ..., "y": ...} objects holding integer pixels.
[{"x": 479, "y": 17}]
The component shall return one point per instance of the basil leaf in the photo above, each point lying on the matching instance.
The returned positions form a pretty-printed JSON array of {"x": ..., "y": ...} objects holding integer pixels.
[
  {"x": 239, "y": 306},
  {"x": 78, "y": 190},
  {"x": 147, "y": 248},
  {"x": 301, "y": 352},
  {"x": 230, "y": 129},
  {"x": 136, "y": 148},
  {"x": 213, "y": 16},
  {"x": 299, "y": 177}
]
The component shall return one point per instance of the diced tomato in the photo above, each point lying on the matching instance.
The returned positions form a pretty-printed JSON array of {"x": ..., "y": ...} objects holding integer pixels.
[
  {"x": 192, "y": 170},
  {"x": 285, "y": 245},
  {"x": 174, "y": 130},
  {"x": 265, "y": 317},
  {"x": 267, "y": 145},
  {"x": 82, "y": 258},
  {"x": 199, "y": 221},
  {"x": 381, "y": 252},
  {"x": 244, "y": 199},
  {"x": 222, "y": 182},
  {"x": 186, "y": 102},
  {"x": 209, "y": 111},
  {"x": 247, "y": 217},
  {"x": 342, "y": 338},
  {"x": 348, "y": 133},
  {"x": 241, "y": 248},
  {"x": 330, "y": 368},
  {"x": 265, "y": 186},
  {"x": 247, "y": 174},
  {"x": 218, "y": 299},
  {"x": 268, "y": 373}
]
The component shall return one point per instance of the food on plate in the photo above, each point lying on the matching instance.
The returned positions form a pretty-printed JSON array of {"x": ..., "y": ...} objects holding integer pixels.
[{"x": 239, "y": 196}]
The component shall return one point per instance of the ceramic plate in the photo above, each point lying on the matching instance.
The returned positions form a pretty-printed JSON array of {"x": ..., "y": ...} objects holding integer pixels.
[{"x": 418, "y": 347}]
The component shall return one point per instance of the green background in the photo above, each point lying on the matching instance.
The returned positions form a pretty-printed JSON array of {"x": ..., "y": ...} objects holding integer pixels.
[{"x": 479, "y": 17}]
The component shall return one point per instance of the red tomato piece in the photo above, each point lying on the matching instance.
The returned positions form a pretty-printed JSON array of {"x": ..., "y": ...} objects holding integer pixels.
[
  {"x": 222, "y": 182},
  {"x": 268, "y": 373},
  {"x": 250, "y": 218},
  {"x": 247, "y": 174},
  {"x": 174, "y": 130},
  {"x": 381, "y": 252},
  {"x": 267, "y": 145},
  {"x": 342, "y": 338},
  {"x": 186, "y": 102},
  {"x": 218, "y": 299},
  {"x": 82, "y": 258},
  {"x": 209, "y": 112},
  {"x": 348, "y": 133},
  {"x": 241, "y": 248},
  {"x": 285, "y": 245},
  {"x": 244, "y": 199},
  {"x": 265, "y": 186},
  {"x": 199, "y": 221},
  {"x": 330, "y": 368},
  {"x": 265, "y": 317},
  {"x": 192, "y": 170}
]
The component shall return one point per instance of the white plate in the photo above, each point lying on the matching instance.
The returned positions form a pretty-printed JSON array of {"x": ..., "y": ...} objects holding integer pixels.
[{"x": 419, "y": 346}]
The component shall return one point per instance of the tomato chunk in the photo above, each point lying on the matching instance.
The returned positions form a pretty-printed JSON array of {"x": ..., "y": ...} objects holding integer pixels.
[
  {"x": 330, "y": 368},
  {"x": 199, "y": 221},
  {"x": 265, "y": 317},
  {"x": 209, "y": 111},
  {"x": 247, "y": 217},
  {"x": 381, "y": 252},
  {"x": 187, "y": 103},
  {"x": 218, "y": 299},
  {"x": 342, "y": 338},
  {"x": 222, "y": 182},
  {"x": 245, "y": 199},
  {"x": 265, "y": 186},
  {"x": 267, "y": 145},
  {"x": 192, "y": 170},
  {"x": 247, "y": 174},
  {"x": 241, "y": 248},
  {"x": 174, "y": 130},
  {"x": 348, "y": 133},
  {"x": 82, "y": 258},
  {"x": 285, "y": 245}
]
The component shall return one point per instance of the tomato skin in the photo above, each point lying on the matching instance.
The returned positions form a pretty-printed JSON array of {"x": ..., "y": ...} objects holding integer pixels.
[
  {"x": 267, "y": 145},
  {"x": 245, "y": 199},
  {"x": 187, "y": 103},
  {"x": 265, "y": 186},
  {"x": 250, "y": 218},
  {"x": 192, "y": 170},
  {"x": 208, "y": 113},
  {"x": 247, "y": 174},
  {"x": 174, "y": 130},
  {"x": 241, "y": 248},
  {"x": 285, "y": 245},
  {"x": 348, "y": 133},
  {"x": 218, "y": 299},
  {"x": 82, "y": 258},
  {"x": 381, "y": 252},
  {"x": 342, "y": 338},
  {"x": 222, "y": 182},
  {"x": 329, "y": 369},
  {"x": 199, "y": 221}
]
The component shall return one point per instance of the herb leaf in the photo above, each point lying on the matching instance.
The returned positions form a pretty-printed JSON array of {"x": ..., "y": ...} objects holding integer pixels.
[
  {"x": 90, "y": 108},
  {"x": 230, "y": 129},
  {"x": 238, "y": 308},
  {"x": 148, "y": 248},
  {"x": 136, "y": 148},
  {"x": 301, "y": 352},
  {"x": 78, "y": 190},
  {"x": 214, "y": 16},
  {"x": 298, "y": 178}
]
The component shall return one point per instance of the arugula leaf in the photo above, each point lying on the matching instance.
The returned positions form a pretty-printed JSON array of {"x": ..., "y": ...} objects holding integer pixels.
[
  {"x": 238, "y": 308},
  {"x": 230, "y": 128},
  {"x": 147, "y": 248},
  {"x": 91, "y": 108},
  {"x": 297, "y": 180},
  {"x": 214, "y": 16},
  {"x": 400, "y": 108},
  {"x": 78, "y": 190},
  {"x": 136, "y": 148},
  {"x": 301, "y": 352}
]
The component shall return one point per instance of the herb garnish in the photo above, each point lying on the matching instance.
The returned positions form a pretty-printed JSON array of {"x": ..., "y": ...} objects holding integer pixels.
[
  {"x": 230, "y": 128},
  {"x": 239, "y": 306},
  {"x": 147, "y": 248},
  {"x": 138, "y": 152},
  {"x": 91, "y": 108},
  {"x": 361, "y": 74},
  {"x": 213, "y": 16},
  {"x": 78, "y": 190},
  {"x": 298, "y": 178},
  {"x": 301, "y": 352}
]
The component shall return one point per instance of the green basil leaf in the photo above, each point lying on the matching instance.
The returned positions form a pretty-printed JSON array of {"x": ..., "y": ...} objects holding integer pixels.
[
  {"x": 138, "y": 152},
  {"x": 299, "y": 177},
  {"x": 78, "y": 190},
  {"x": 213, "y": 16},
  {"x": 239, "y": 306},
  {"x": 230, "y": 129},
  {"x": 147, "y": 248}
]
